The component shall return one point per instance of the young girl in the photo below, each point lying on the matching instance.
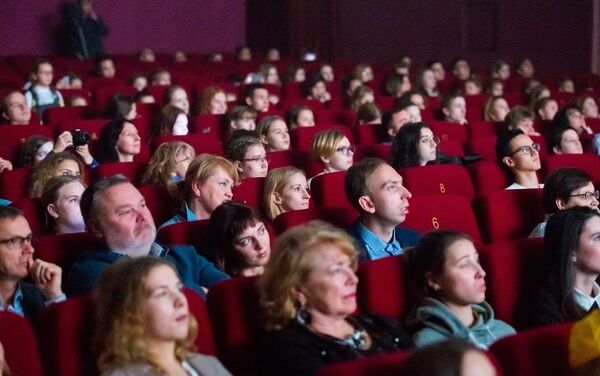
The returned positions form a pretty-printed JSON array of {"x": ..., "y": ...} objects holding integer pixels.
[
  {"x": 40, "y": 95},
  {"x": 414, "y": 145},
  {"x": 169, "y": 163},
  {"x": 274, "y": 133},
  {"x": 449, "y": 285},
  {"x": 60, "y": 199}
]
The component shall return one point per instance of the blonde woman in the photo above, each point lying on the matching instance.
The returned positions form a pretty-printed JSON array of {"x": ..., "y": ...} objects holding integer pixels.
[
  {"x": 143, "y": 322},
  {"x": 55, "y": 164},
  {"x": 286, "y": 189},
  {"x": 332, "y": 149},
  {"x": 169, "y": 163}
]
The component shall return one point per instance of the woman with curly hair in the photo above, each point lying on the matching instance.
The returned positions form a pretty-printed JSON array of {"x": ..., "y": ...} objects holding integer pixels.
[
  {"x": 55, "y": 164},
  {"x": 144, "y": 325},
  {"x": 169, "y": 163}
]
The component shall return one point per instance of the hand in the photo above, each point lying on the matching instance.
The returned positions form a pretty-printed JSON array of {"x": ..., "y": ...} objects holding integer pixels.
[
  {"x": 2, "y": 361},
  {"x": 63, "y": 141},
  {"x": 47, "y": 277},
  {"x": 5, "y": 165},
  {"x": 84, "y": 152}
]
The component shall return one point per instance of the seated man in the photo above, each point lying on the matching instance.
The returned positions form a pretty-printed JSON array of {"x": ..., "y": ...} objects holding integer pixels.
[
  {"x": 15, "y": 109},
  {"x": 116, "y": 212},
  {"x": 519, "y": 154},
  {"x": 17, "y": 263},
  {"x": 257, "y": 97},
  {"x": 400, "y": 115},
  {"x": 454, "y": 108},
  {"x": 519, "y": 117},
  {"x": 375, "y": 189}
]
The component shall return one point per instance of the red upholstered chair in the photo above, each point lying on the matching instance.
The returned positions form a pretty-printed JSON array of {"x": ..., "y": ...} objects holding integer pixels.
[
  {"x": 10, "y": 152},
  {"x": 314, "y": 104},
  {"x": 234, "y": 313},
  {"x": 133, "y": 170},
  {"x": 367, "y": 134},
  {"x": 451, "y": 148},
  {"x": 382, "y": 151},
  {"x": 447, "y": 212},
  {"x": 14, "y": 184},
  {"x": 345, "y": 117},
  {"x": 450, "y": 131},
  {"x": 34, "y": 213},
  {"x": 103, "y": 93},
  {"x": 341, "y": 217},
  {"x": 288, "y": 158},
  {"x": 484, "y": 146},
  {"x": 302, "y": 137},
  {"x": 16, "y": 134},
  {"x": 481, "y": 129},
  {"x": 20, "y": 345},
  {"x": 542, "y": 351},
  {"x": 161, "y": 204},
  {"x": 383, "y": 287},
  {"x": 215, "y": 124},
  {"x": 438, "y": 179},
  {"x": 292, "y": 90},
  {"x": 381, "y": 365},
  {"x": 93, "y": 126},
  {"x": 514, "y": 272},
  {"x": 487, "y": 176},
  {"x": 250, "y": 192},
  {"x": 64, "y": 249},
  {"x": 202, "y": 143},
  {"x": 511, "y": 214},
  {"x": 328, "y": 190},
  {"x": 193, "y": 233},
  {"x": 59, "y": 115},
  {"x": 589, "y": 163}
]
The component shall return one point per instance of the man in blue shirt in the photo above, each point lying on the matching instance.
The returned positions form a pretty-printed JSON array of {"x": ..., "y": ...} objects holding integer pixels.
[
  {"x": 16, "y": 263},
  {"x": 115, "y": 211},
  {"x": 375, "y": 189}
]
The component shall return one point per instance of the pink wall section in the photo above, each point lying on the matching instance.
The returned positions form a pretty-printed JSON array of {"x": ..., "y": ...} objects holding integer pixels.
[{"x": 29, "y": 27}]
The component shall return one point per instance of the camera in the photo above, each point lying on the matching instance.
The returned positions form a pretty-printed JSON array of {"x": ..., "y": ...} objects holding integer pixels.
[{"x": 80, "y": 137}]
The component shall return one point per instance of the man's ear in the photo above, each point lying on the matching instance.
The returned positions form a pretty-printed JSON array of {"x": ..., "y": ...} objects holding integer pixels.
[
  {"x": 248, "y": 101},
  {"x": 325, "y": 160},
  {"x": 5, "y": 115},
  {"x": 391, "y": 132},
  {"x": 508, "y": 161},
  {"x": 366, "y": 204},
  {"x": 95, "y": 229},
  {"x": 52, "y": 210},
  {"x": 299, "y": 295}
]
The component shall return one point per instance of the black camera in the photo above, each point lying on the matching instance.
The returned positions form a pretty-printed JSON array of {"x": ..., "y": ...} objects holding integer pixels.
[{"x": 80, "y": 137}]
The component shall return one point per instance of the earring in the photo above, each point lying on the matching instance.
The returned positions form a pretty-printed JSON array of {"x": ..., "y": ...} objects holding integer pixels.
[{"x": 302, "y": 316}]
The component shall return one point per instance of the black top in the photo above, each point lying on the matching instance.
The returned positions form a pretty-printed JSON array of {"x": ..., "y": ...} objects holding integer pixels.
[
  {"x": 296, "y": 350},
  {"x": 545, "y": 310}
]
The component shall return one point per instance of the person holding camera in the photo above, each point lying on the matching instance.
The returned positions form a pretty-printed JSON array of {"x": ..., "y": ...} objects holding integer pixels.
[{"x": 78, "y": 140}]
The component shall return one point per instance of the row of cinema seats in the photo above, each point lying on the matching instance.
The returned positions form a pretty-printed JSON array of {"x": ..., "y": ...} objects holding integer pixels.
[{"x": 229, "y": 324}]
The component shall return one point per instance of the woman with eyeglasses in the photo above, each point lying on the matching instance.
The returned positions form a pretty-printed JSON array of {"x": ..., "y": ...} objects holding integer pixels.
[
  {"x": 565, "y": 188},
  {"x": 572, "y": 265},
  {"x": 414, "y": 145},
  {"x": 247, "y": 153},
  {"x": 169, "y": 163},
  {"x": 332, "y": 149}
]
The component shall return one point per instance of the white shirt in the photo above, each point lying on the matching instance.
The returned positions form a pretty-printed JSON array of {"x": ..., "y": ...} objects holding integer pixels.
[
  {"x": 584, "y": 300},
  {"x": 519, "y": 186}
]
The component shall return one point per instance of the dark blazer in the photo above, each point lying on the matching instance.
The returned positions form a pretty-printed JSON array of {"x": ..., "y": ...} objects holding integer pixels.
[{"x": 33, "y": 301}]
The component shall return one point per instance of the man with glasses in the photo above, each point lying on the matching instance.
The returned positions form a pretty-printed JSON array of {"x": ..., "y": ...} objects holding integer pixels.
[
  {"x": 519, "y": 154},
  {"x": 375, "y": 189},
  {"x": 17, "y": 263}
]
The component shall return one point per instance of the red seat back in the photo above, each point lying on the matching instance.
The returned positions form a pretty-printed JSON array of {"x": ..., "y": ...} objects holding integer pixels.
[
  {"x": 345, "y": 117},
  {"x": 193, "y": 233},
  {"x": 328, "y": 189},
  {"x": 202, "y": 143},
  {"x": 20, "y": 345},
  {"x": 487, "y": 176},
  {"x": 161, "y": 204},
  {"x": 509, "y": 214},
  {"x": 132, "y": 170},
  {"x": 450, "y": 131},
  {"x": 589, "y": 163},
  {"x": 302, "y": 137},
  {"x": 250, "y": 192},
  {"x": 59, "y": 115},
  {"x": 381, "y": 151},
  {"x": 370, "y": 134},
  {"x": 17, "y": 134},
  {"x": 64, "y": 249},
  {"x": 438, "y": 179},
  {"x": 14, "y": 184},
  {"x": 341, "y": 217}
]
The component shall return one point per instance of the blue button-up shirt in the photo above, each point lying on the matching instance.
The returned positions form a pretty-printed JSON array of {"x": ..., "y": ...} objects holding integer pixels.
[
  {"x": 17, "y": 304},
  {"x": 377, "y": 248}
]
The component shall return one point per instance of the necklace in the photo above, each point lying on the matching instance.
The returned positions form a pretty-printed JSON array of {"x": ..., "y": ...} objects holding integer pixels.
[{"x": 357, "y": 340}]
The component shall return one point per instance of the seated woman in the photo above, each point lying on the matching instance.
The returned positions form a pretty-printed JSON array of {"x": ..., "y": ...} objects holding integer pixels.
[
  {"x": 55, "y": 164},
  {"x": 170, "y": 120},
  {"x": 564, "y": 141},
  {"x": 332, "y": 149},
  {"x": 120, "y": 106},
  {"x": 207, "y": 184},
  {"x": 213, "y": 101},
  {"x": 176, "y": 96},
  {"x": 274, "y": 133},
  {"x": 361, "y": 95},
  {"x": 414, "y": 145},
  {"x": 308, "y": 295},
  {"x": 496, "y": 109},
  {"x": 269, "y": 74},
  {"x": 60, "y": 199},
  {"x": 143, "y": 323},
  {"x": 247, "y": 154},
  {"x": 286, "y": 190},
  {"x": 427, "y": 83},
  {"x": 169, "y": 163},
  {"x": 565, "y": 188},
  {"x": 449, "y": 285},
  {"x": 572, "y": 266},
  {"x": 119, "y": 142},
  {"x": 240, "y": 244},
  {"x": 300, "y": 116},
  {"x": 587, "y": 105},
  {"x": 570, "y": 116}
]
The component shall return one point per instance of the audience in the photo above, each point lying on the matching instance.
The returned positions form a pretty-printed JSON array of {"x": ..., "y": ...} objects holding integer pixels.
[
  {"x": 449, "y": 287},
  {"x": 60, "y": 200},
  {"x": 454, "y": 108},
  {"x": 143, "y": 322},
  {"x": 115, "y": 212},
  {"x": 242, "y": 117},
  {"x": 286, "y": 189},
  {"x": 496, "y": 109},
  {"x": 176, "y": 96},
  {"x": 121, "y": 107},
  {"x": 257, "y": 97},
  {"x": 375, "y": 189},
  {"x": 240, "y": 244},
  {"x": 517, "y": 153},
  {"x": 519, "y": 117},
  {"x": 587, "y": 106},
  {"x": 308, "y": 295},
  {"x": 545, "y": 108},
  {"x": 564, "y": 141},
  {"x": 105, "y": 67},
  {"x": 170, "y": 120}
]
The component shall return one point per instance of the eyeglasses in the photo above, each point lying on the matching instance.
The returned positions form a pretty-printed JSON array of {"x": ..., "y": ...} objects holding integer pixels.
[
  {"x": 435, "y": 140},
  {"x": 266, "y": 159},
  {"x": 18, "y": 241},
  {"x": 346, "y": 150},
  {"x": 527, "y": 149},
  {"x": 588, "y": 195}
]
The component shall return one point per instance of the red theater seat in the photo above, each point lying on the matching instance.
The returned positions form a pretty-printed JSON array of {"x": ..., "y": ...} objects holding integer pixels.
[
  {"x": 543, "y": 351},
  {"x": 328, "y": 190},
  {"x": 589, "y": 163},
  {"x": 381, "y": 151},
  {"x": 20, "y": 345},
  {"x": 17, "y": 134},
  {"x": 161, "y": 204},
  {"x": 62, "y": 115},
  {"x": 302, "y": 137},
  {"x": 370, "y": 134},
  {"x": 450, "y": 131},
  {"x": 345, "y": 117},
  {"x": 234, "y": 314},
  {"x": 132, "y": 170},
  {"x": 447, "y": 212},
  {"x": 103, "y": 93},
  {"x": 250, "y": 192},
  {"x": 288, "y": 158},
  {"x": 35, "y": 214},
  {"x": 314, "y": 104},
  {"x": 202, "y": 143},
  {"x": 487, "y": 176},
  {"x": 380, "y": 365},
  {"x": 341, "y": 217},
  {"x": 438, "y": 179},
  {"x": 14, "y": 184},
  {"x": 514, "y": 270},
  {"x": 64, "y": 249},
  {"x": 509, "y": 214},
  {"x": 193, "y": 233}
]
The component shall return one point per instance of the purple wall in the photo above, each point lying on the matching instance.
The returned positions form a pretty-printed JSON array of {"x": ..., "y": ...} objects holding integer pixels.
[
  {"x": 556, "y": 35},
  {"x": 28, "y": 27}
]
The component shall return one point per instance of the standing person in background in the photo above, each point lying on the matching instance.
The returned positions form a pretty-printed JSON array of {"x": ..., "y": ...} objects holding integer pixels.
[{"x": 86, "y": 30}]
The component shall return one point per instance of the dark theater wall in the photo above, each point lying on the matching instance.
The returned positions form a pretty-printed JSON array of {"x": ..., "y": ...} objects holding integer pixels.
[{"x": 33, "y": 26}]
